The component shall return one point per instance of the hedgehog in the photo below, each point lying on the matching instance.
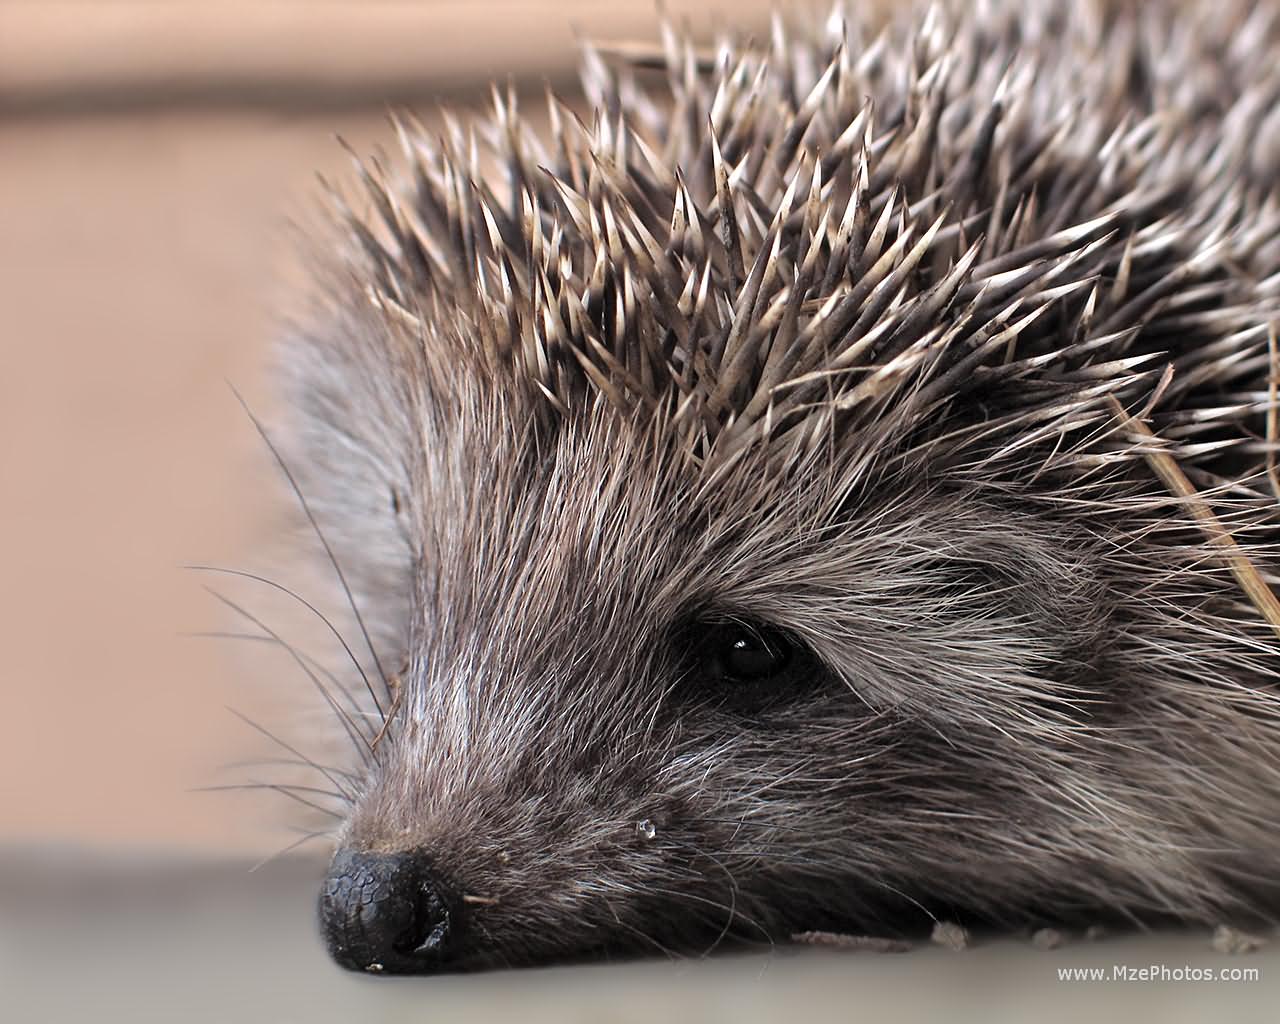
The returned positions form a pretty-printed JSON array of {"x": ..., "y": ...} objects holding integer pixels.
[{"x": 828, "y": 486}]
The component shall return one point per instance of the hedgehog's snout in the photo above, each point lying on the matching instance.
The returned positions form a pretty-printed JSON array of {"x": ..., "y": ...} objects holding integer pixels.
[{"x": 388, "y": 912}]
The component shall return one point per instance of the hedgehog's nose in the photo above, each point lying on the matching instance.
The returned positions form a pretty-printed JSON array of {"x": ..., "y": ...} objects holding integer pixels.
[{"x": 387, "y": 912}]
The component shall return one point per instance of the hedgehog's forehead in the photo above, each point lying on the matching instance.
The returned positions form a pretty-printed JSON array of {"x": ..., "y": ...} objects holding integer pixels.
[
  {"x": 561, "y": 548},
  {"x": 593, "y": 500},
  {"x": 503, "y": 483}
]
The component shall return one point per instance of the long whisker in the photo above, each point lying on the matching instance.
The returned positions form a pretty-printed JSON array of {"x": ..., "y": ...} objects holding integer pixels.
[
  {"x": 305, "y": 838},
  {"x": 264, "y": 762},
  {"x": 306, "y": 508},
  {"x": 731, "y": 909},
  {"x": 639, "y": 933},
  {"x": 280, "y": 788},
  {"x": 715, "y": 905},
  {"x": 213, "y": 634},
  {"x": 310, "y": 607},
  {"x": 781, "y": 855},
  {"x": 733, "y": 906},
  {"x": 286, "y": 746},
  {"x": 358, "y": 739}
]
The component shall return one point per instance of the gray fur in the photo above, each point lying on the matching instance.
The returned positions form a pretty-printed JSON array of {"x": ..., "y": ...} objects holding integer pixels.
[{"x": 824, "y": 335}]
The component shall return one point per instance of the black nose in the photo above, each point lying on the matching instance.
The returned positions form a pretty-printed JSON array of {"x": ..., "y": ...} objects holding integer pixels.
[{"x": 387, "y": 912}]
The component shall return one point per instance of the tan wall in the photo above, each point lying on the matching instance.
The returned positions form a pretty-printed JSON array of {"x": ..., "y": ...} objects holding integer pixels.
[{"x": 149, "y": 154}]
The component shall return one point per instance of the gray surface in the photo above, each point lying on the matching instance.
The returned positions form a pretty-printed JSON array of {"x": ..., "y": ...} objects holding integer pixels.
[{"x": 167, "y": 941}]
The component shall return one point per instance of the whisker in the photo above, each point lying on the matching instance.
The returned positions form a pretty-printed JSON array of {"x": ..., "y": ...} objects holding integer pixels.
[
  {"x": 493, "y": 951},
  {"x": 306, "y": 508},
  {"x": 286, "y": 746},
  {"x": 262, "y": 762},
  {"x": 790, "y": 858},
  {"x": 356, "y": 709},
  {"x": 717, "y": 905},
  {"x": 355, "y": 735},
  {"x": 281, "y": 786},
  {"x": 310, "y": 607},
  {"x": 640, "y": 933},
  {"x": 306, "y": 838},
  {"x": 733, "y": 906},
  {"x": 902, "y": 895}
]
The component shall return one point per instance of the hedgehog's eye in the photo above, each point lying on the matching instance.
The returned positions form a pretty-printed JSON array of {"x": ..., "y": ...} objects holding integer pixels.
[
  {"x": 746, "y": 667},
  {"x": 745, "y": 654}
]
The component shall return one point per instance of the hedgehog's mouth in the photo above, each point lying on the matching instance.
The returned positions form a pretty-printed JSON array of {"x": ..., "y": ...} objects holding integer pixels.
[{"x": 394, "y": 913}]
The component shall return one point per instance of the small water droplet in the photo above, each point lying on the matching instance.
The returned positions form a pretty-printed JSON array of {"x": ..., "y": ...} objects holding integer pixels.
[{"x": 646, "y": 829}]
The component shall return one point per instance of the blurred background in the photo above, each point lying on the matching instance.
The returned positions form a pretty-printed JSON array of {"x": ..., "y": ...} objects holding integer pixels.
[{"x": 152, "y": 156}]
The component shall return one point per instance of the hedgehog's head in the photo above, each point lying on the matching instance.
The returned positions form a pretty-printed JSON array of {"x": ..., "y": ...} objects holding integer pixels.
[
  {"x": 759, "y": 562},
  {"x": 648, "y": 704}
]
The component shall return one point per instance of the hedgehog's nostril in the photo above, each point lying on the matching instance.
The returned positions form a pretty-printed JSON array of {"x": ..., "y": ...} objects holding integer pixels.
[{"x": 387, "y": 912}]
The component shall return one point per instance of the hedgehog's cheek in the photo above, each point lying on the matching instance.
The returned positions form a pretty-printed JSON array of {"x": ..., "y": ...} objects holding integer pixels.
[{"x": 389, "y": 912}]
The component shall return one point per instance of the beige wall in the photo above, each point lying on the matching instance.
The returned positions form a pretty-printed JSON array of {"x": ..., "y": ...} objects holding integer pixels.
[{"x": 149, "y": 155}]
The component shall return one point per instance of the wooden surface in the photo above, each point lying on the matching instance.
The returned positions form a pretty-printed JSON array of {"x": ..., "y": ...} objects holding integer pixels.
[{"x": 202, "y": 943}]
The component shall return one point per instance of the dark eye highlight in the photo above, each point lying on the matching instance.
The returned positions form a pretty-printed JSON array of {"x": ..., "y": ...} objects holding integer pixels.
[
  {"x": 746, "y": 654},
  {"x": 746, "y": 667}
]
